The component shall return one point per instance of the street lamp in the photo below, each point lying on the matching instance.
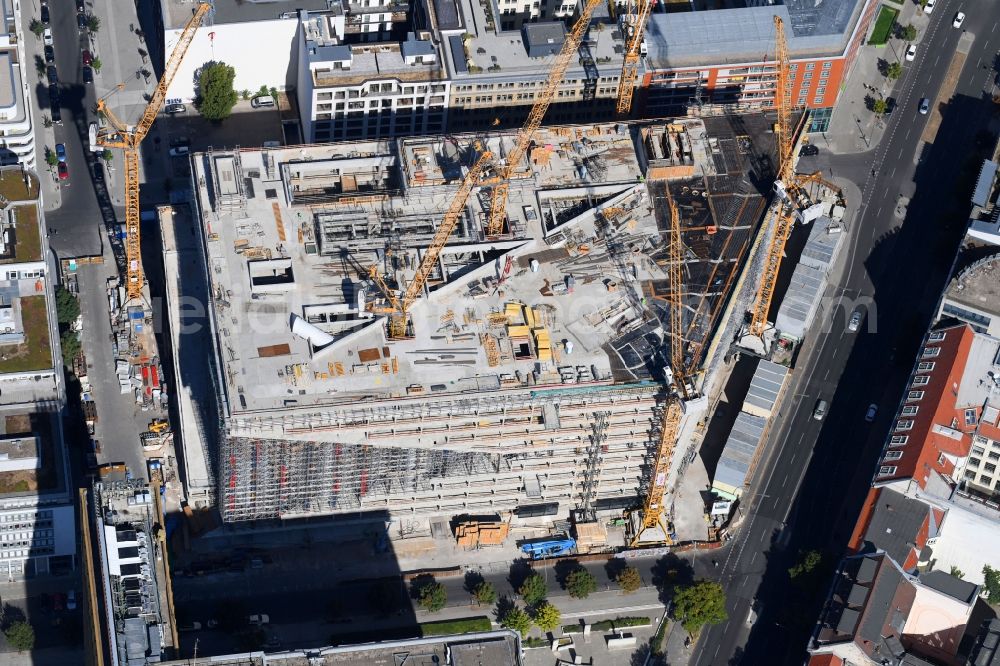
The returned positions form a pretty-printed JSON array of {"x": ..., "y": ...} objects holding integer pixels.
[{"x": 861, "y": 129}]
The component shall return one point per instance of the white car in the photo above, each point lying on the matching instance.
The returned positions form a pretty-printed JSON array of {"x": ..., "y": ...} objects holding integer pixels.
[
  {"x": 259, "y": 619},
  {"x": 929, "y": 7},
  {"x": 71, "y": 600},
  {"x": 959, "y": 19},
  {"x": 47, "y": 37},
  {"x": 911, "y": 52},
  {"x": 855, "y": 323}
]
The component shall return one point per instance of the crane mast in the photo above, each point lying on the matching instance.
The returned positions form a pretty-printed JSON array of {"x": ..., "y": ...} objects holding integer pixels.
[
  {"x": 121, "y": 136},
  {"x": 498, "y": 197},
  {"x": 635, "y": 24}
]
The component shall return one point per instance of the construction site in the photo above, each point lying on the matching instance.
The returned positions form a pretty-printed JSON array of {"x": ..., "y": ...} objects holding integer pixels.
[{"x": 530, "y": 372}]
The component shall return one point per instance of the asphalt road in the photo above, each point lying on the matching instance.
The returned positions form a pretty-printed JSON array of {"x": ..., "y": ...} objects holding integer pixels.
[{"x": 810, "y": 491}]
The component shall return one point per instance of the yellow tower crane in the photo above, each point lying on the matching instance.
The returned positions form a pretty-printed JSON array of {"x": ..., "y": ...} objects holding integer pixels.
[
  {"x": 398, "y": 306},
  {"x": 568, "y": 52},
  {"x": 120, "y": 135},
  {"x": 652, "y": 512},
  {"x": 789, "y": 186},
  {"x": 634, "y": 23}
]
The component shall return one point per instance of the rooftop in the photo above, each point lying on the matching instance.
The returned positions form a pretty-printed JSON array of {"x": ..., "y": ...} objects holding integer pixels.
[
  {"x": 978, "y": 285},
  {"x": 292, "y": 233},
  {"x": 745, "y": 34},
  {"x": 892, "y": 523},
  {"x": 177, "y": 12}
]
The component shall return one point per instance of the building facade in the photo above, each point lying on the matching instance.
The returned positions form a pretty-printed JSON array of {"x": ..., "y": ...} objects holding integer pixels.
[{"x": 17, "y": 135}]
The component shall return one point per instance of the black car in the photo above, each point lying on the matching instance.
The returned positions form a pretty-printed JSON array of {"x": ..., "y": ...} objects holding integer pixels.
[
  {"x": 52, "y": 74},
  {"x": 56, "y": 113},
  {"x": 81, "y": 20},
  {"x": 50, "y": 54},
  {"x": 808, "y": 150},
  {"x": 98, "y": 173},
  {"x": 54, "y": 95},
  {"x": 79, "y": 5},
  {"x": 45, "y": 14},
  {"x": 88, "y": 75}
]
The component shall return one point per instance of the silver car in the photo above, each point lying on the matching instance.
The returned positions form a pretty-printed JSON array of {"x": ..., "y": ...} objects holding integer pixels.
[{"x": 855, "y": 323}]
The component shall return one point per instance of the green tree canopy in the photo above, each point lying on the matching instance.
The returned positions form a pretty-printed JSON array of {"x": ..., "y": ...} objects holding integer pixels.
[
  {"x": 909, "y": 32},
  {"x": 484, "y": 593},
  {"x": 546, "y": 616},
  {"x": 894, "y": 70},
  {"x": 629, "y": 580},
  {"x": 67, "y": 305},
  {"x": 581, "y": 583},
  {"x": 70, "y": 344},
  {"x": 533, "y": 589},
  {"x": 432, "y": 596},
  {"x": 808, "y": 561},
  {"x": 991, "y": 584},
  {"x": 21, "y": 636},
  {"x": 956, "y": 572},
  {"x": 701, "y": 603},
  {"x": 516, "y": 619},
  {"x": 93, "y": 23},
  {"x": 216, "y": 96}
]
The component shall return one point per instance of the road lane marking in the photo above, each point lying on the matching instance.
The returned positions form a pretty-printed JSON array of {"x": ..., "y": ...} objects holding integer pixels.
[
  {"x": 936, "y": 60},
  {"x": 907, "y": 133},
  {"x": 878, "y": 213},
  {"x": 994, "y": 28},
  {"x": 893, "y": 172},
  {"x": 835, "y": 350}
]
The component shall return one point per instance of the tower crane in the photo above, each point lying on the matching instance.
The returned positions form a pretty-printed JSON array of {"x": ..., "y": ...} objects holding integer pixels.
[
  {"x": 652, "y": 513},
  {"x": 398, "y": 306},
  {"x": 498, "y": 196},
  {"x": 120, "y": 135},
  {"x": 635, "y": 25},
  {"x": 789, "y": 186}
]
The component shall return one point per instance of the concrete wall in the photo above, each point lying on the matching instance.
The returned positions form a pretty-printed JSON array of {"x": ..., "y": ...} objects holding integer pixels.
[{"x": 262, "y": 52}]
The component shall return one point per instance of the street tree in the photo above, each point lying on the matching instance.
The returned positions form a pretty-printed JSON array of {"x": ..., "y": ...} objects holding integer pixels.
[
  {"x": 20, "y": 636},
  {"x": 51, "y": 160},
  {"x": 432, "y": 597},
  {"x": 485, "y": 593},
  {"x": 36, "y": 27},
  {"x": 70, "y": 344},
  {"x": 808, "y": 561},
  {"x": 698, "y": 604},
  {"x": 533, "y": 589},
  {"x": 513, "y": 617},
  {"x": 107, "y": 155},
  {"x": 67, "y": 305},
  {"x": 546, "y": 616},
  {"x": 93, "y": 23},
  {"x": 894, "y": 71},
  {"x": 909, "y": 32},
  {"x": 880, "y": 106},
  {"x": 581, "y": 583},
  {"x": 956, "y": 572},
  {"x": 216, "y": 96},
  {"x": 991, "y": 584},
  {"x": 96, "y": 64},
  {"x": 629, "y": 580}
]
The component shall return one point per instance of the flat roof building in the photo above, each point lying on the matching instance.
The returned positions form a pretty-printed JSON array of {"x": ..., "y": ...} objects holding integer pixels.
[{"x": 17, "y": 145}]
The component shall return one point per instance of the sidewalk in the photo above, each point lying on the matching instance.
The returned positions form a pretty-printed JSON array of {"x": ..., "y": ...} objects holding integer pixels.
[
  {"x": 853, "y": 127},
  {"x": 45, "y": 137}
]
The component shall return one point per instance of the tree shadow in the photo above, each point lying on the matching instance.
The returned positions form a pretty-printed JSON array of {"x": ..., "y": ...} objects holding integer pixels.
[
  {"x": 615, "y": 567},
  {"x": 418, "y": 584},
  {"x": 505, "y": 604},
  {"x": 12, "y": 615},
  {"x": 564, "y": 568},
  {"x": 519, "y": 571},
  {"x": 737, "y": 657},
  {"x": 472, "y": 580},
  {"x": 883, "y": 66},
  {"x": 640, "y": 655},
  {"x": 669, "y": 572}
]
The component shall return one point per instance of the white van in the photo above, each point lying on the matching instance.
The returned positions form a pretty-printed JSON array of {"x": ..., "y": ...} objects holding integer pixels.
[{"x": 263, "y": 100}]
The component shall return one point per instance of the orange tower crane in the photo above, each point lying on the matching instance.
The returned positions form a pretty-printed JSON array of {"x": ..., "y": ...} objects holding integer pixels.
[
  {"x": 498, "y": 197},
  {"x": 398, "y": 306},
  {"x": 120, "y": 135},
  {"x": 652, "y": 512},
  {"x": 635, "y": 26}
]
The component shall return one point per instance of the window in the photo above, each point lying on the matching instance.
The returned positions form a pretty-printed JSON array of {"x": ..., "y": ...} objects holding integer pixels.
[
  {"x": 817, "y": 100},
  {"x": 975, "y": 462},
  {"x": 821, "y": 90},
  {"x": 985, "y": 480},
  {"x": 810, "y": 66},
  {"x": 827, "y": 65},
  {"x": 899, "y": 440},
  {"x": 904, "y": 424},
  {"x": 893, "y": 455},
  {"x": 936, "y": 336},
  {"x": 978, "y": 450},
  {"x": 886, "y": 470},
  {"x": 993, "y": 455},
  {"x": 970, "y": 417},
  {"x": 910, "y": 410},
  {"x": 925, "y": 366},
  {"x": 990, "y": 467},
  {"x": 913, "y": 396},
  {"x": 921, "y": 380},
  {"x": 931, "y": 352}
]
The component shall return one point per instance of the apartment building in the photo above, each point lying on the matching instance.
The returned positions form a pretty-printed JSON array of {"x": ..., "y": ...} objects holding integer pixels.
[
  {"x": 17, "y": 136},
  {"x": 367, "y": 90},
  {"x": 726, "y": 57}
]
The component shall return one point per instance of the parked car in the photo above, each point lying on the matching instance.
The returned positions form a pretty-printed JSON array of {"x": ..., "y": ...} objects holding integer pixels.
[
  {"x": 63, "y": 171},
  {"x": 872, "y": 411},
  {"x": 808, "y": 150},
  {"x": 56, "y": 113},
  {"x": 189, "y": 626},
  {"x": 855, "y": 323},
  {"x": 81, "y": 21},
  {"x": 911, "y": 53},
  {"x": 959, "y": 20},
  {"x": 820, "y": 410},
  {"x": 50, "y": 54},
  {"x": 929, "y": 7},
  {"x": 61, "y": 152},
  {"x": 890, "y": 105},
  {"x": 52, "y": 74},
  {"x": 79, "y": 5},
  {"x": 174, "y": 108},
  {"x": 98, "y": 178},
  {"x": 259, "y": 619},
  {"x": 47, "y": 37},
  {"x": 88, "y": 75},
  {"x": 178, "y": 141},
  {"x": 45, "y": 14},
  {"x": 179, "y": 151},
  {"x": 71, "y": 600},
  {"x": 87, "y": 58},
  {"x": 925, "y": 105}
]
